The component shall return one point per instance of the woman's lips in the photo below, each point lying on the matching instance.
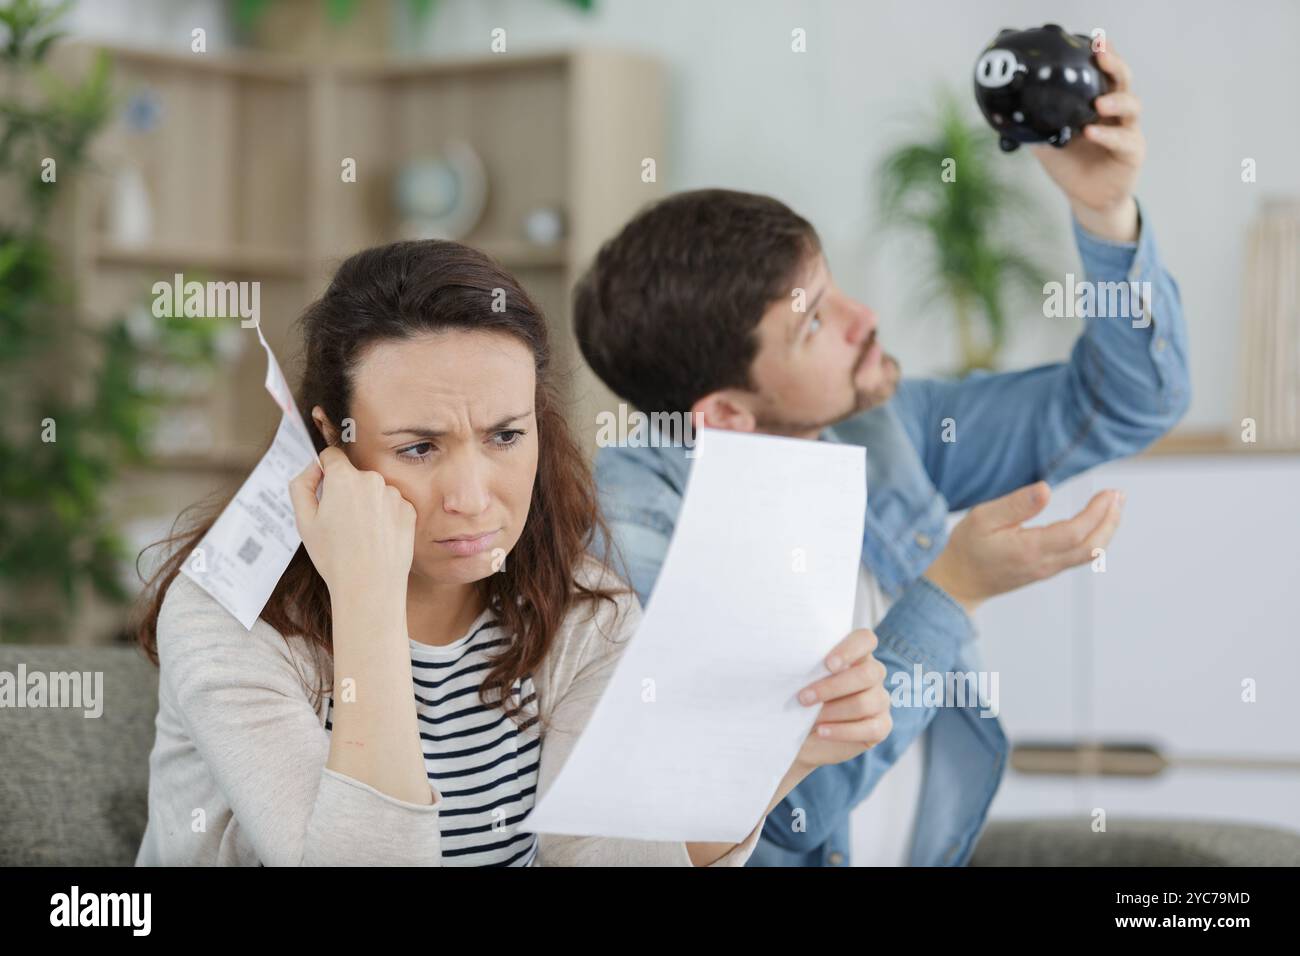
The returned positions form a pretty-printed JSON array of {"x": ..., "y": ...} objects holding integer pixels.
[{"x": 465, "y": 546}]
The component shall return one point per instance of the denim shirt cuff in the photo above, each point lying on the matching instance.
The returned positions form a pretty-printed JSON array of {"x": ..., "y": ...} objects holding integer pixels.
[
  {"x": 1107, "y": 260},
  {"x": 1162, "y": 330},
  {"x": 926, "y": 626}
]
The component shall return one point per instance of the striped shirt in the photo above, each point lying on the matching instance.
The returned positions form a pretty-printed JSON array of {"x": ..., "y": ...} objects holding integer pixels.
[{"x": 483, "y": 763}]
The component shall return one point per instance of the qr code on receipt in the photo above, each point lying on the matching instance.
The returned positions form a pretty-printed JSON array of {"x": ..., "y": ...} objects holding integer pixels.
[{"x": 249, "y": 551}]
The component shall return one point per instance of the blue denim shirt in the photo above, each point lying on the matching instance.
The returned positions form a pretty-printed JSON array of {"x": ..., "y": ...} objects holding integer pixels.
[{"x": 1125, "y": 385}]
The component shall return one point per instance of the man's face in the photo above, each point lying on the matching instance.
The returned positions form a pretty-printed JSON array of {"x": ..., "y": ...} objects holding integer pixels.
[{"x": 820, "y": 365}]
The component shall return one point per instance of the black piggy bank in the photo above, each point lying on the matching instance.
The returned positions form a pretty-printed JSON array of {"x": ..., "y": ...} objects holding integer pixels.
[{"x": 1038, "y": 86}]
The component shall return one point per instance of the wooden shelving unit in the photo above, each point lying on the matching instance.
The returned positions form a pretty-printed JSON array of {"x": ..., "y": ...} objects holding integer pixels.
[
  {"x": 243, "y": 174},
  {"x": 1210, "y": 442}
]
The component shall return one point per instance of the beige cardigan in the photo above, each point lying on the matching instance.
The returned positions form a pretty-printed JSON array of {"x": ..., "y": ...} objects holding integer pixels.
[{"x": 237, "y": 775}]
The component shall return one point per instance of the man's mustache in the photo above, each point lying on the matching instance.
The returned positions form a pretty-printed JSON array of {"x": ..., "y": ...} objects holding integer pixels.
[{"x": 866, "y": 347}]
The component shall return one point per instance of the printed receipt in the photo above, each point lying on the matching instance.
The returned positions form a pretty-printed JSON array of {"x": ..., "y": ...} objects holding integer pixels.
[
  {"x": 699, "y": 721},
  {"x": 241, "y": 558}
]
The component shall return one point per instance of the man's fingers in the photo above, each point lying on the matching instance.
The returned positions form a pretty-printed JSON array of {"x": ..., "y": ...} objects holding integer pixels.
[
  {"x": 1123, "y": 141},
  {"x": 1125, "y": 107},
  {"x": 1013, "y": 509},
  {"x": 1100, "y": 536},
  {"x": 1120, "y": 74},
  {"x": 1064, "y": 537}
]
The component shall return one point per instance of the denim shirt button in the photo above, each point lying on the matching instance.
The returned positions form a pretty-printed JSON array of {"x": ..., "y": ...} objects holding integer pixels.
[
  {"x": 923, "y": 541},
  {"x": 836, "y": 858},
  {"x": 1160, "y": 345}
]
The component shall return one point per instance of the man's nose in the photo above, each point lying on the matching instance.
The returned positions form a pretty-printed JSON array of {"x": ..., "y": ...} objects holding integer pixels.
[{"x": 860, "y": 323}]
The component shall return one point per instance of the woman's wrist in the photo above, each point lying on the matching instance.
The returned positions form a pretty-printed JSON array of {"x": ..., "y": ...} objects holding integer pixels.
[{"x": 374, "y": 609}]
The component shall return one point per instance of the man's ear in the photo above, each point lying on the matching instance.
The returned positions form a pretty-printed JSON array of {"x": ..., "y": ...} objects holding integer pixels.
[
  {"x": 327, "y": 429},
  {"x": 727, "y": 409}
]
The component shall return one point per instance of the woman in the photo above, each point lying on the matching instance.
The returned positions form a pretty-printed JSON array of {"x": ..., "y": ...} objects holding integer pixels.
[{"x": 446, "y": 555}]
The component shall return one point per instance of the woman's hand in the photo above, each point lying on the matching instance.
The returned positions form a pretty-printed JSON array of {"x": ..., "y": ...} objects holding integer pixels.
[
  {"x": 854, "y": 717},
  {"x": 854, "y": 714},
  {"x": 361, "y": 535}
]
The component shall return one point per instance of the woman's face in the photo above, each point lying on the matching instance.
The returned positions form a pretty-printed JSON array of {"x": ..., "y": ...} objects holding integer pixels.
[{"x": 448, "y": 420}]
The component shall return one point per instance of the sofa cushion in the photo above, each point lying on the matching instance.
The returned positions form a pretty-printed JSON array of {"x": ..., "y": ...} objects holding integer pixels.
[{"x": 75, "y": 788}]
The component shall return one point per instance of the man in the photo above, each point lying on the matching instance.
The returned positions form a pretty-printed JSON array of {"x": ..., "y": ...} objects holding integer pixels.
[{"x": 693, "y": 307}]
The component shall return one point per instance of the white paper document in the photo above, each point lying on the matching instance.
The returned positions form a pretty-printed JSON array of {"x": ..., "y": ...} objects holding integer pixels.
[
  {"x": 700, "y": 720},
  {"x": 241, "y": 558}
]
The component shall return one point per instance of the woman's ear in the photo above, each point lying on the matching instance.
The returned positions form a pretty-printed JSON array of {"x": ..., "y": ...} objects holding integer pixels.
[{"x": 326, "y": 428}]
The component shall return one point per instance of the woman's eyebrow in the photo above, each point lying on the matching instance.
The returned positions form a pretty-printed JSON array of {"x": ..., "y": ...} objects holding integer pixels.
[{"x": 426, "y": 432}]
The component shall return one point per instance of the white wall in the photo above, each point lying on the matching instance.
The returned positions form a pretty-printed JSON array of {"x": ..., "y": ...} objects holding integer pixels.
[
  {"x": 151, "y": 23},
  {"x": 1218, "y": 82}
]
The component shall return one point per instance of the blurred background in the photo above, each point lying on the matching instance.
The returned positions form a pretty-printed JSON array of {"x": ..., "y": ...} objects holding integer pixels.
[{"x": 263, "y": 140}]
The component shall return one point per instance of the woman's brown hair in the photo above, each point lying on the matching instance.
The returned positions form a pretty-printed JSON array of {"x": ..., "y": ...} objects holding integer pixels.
[{"x": 396, "y": 292}]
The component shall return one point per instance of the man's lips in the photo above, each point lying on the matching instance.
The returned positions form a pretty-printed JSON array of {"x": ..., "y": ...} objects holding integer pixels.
[{"x": 469, "y": 544}]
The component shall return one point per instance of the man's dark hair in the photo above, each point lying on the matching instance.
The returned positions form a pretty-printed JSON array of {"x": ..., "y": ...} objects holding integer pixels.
[{"x": 668, "y": 311}]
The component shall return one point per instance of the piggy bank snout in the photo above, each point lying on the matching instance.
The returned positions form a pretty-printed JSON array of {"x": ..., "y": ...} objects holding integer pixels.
[{"x": 996, "y": 69}]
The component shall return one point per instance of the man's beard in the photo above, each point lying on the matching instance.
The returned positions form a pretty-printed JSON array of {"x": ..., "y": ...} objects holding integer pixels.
[{"x": 863, "y": 399}]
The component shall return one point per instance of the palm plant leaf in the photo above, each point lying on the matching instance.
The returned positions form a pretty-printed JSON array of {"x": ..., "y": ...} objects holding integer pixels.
[{"x": 949, "y": 190}]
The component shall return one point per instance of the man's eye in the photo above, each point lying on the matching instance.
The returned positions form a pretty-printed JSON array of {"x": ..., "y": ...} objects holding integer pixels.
[{"x": 508, "y": 438}]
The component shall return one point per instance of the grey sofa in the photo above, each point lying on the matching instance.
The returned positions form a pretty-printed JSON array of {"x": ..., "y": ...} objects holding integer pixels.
[{"x": 74, "y": 790}]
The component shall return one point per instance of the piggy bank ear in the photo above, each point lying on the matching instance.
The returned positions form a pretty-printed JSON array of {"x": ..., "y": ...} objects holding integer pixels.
[{"x": 1004, "y": 31}]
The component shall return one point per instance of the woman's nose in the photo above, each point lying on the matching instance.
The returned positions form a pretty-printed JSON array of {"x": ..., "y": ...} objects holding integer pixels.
[{"x": 465, "y": 490}]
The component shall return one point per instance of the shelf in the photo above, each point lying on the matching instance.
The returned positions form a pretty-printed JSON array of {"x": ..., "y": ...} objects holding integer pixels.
[
  {"x": 247, "y": 64},
  {"x": 1212, "y": 443},
  {"x": 511, "y": 253},
  {"x": 520, "y": 253},
  {"x": 417, "y": 67},
  {"x": 243, "y": 260},
  {"x": 291, "y": 68},
  {"x": 231, "y": 164}
]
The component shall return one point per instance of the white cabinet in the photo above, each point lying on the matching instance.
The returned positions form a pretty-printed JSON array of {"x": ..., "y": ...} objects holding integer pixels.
[{"x": 1201, "y": 592}]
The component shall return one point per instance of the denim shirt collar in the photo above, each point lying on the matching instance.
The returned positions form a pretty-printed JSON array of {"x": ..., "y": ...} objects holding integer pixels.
[{"x": 906, "y": 521}]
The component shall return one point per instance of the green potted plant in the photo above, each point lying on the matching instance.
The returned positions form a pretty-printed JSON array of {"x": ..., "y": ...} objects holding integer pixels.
[
  {"x": 948, "y": 191},
  {"x": 72, "y": 412}
]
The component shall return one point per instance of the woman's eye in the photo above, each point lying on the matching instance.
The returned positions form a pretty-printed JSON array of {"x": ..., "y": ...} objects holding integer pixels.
[
  {"x": 814, "y": 324},
  {"x": 507, "y": 438},
  {"x": 421, "y": 451}
]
